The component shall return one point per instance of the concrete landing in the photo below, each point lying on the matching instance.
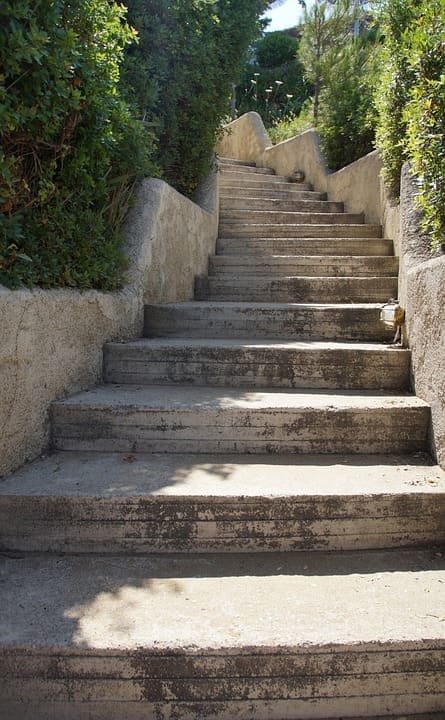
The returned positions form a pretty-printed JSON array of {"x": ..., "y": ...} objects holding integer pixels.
[{"x": 265, "y": 637}]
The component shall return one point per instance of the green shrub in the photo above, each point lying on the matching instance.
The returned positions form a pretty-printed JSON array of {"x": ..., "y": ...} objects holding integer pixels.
[
  {"x": 180, "y": 76},
  {"x": 273, "y": 82},
  {"x": 70, "y": 149},
  {"x": 347, "y": 114},
  {"x": 393, "y": 93},
  {"x": 411, "y": 102},
  {"x": 289, "y": 127},
  {"x": 424, "y": 115}
]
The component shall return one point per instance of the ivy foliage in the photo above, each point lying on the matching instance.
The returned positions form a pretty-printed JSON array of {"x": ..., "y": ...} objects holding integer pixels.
[
  {"x": 180, "y": 76},
  {"x": 411, "y": 123}
]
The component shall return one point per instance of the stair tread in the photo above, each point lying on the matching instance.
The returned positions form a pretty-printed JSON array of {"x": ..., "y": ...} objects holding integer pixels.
[
  {"x": 223, "y": 604},
  {"x": 212, "y": 344},
  {"x": 179, "y": 397},
  {"x": 219, "y": 478}
]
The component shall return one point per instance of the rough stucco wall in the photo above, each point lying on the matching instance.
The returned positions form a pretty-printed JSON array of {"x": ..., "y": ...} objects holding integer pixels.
[
  {"x": 244, "y": 139},
  {"x": 425, "y": 308},
  {"x": 298, "y": 153},
  {"x": 51, "y": 340},
  {"x": 422, "y": 294},
  {"x": 358, "y": 185}
]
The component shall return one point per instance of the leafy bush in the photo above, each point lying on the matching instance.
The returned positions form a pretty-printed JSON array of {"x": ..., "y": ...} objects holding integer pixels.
[
  {"x": 347, "y": 113},
  {"x": 393, "y": 94},
  {"x": 425, "y": 116},
  {"x": 273, "y": 82},
  {"x": 180, "y": 75},
  {"x": 288, "y": 128},
  {"x": 70, "y": 149},
  {"x": 411, "y": 101}
]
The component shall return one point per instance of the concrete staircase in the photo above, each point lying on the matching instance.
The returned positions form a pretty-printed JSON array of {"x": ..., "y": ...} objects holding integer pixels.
[{"x": 242, "y": 522}]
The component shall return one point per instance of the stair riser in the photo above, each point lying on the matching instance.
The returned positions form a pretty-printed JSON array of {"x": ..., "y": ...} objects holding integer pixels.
[
  {"x": 187, "y": 686},
  {"x": 233, "y": 230},
  {"x": 293, "y": 194},
  {"x": 243, "y": 170},
  {"x": 297, "y": 290},
  {"x": 238, "y": 321},
  {"x": 304, "y": 266},
  {"x": 227, "y": 177},
  {"x": 79, "y": 525},
  {"x": 301, "y": 246},
  {"x": 372, "y": 430},
  {"x": 266, "y": 219},
  {"x": 271, "y": 183},
  {"x": 229, "y": 205},
  {"x": 384, "y": 370}
]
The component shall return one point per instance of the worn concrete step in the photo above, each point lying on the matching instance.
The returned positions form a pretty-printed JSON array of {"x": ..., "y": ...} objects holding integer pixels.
[
  {"x": 294, "y": 230},
  {"x": 229, "y": 204},
  {"x": 181, "y": 419},
  {"x": 94, "y": 502},
  {"x": 272, "y": 183},
  {"x": 250, "y": 363},
  {"x": 296, "y": 289},
  {"x": 291, "y": 192},
  {"x": 279, "y": 321},
  {"x": 235, "y": 161},
  {"x": 276, "y": 218},
  {"x": 253, "y": 176},
  {"x": 273, "y": 636},
  {"x": 305, "y": 246},
  {"x": 243, "y": 170},
  {"x": 315, "y": 265}
]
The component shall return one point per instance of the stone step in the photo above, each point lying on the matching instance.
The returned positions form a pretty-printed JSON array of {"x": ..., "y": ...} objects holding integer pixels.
[
  {"x": 276, "y": 218},
  {"x": 305, "y": 246},
  {"x": 316, "y": 265},
  {"x": 277, "y": 321},
  {"x": 290, "y": 192},
  {"x": 181, "y": 419},
  {"x": 235, "y": 161},
  {"x": 294, "y": 230},
  {"x": 229, "y": 203},
  {"x": 243, "y": 170},
  {"x": 273, "y": 636},
  {"x": 252, "y": 176},
  {"x": 272, "y": 183},
  {"x": 250, "y": 363},
  {"x": 94, "y": 502},
  {"x": 296, "y": 289}
]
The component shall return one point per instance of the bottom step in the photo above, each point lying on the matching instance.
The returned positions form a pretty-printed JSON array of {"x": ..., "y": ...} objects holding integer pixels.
[{"x": 269, "y": 637}]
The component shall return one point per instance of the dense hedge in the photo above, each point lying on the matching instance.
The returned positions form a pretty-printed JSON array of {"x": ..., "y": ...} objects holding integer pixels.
[
  {"x": 180, "y": 75},
  {"x": 70, "y": 149},
  {"x": 347, "y": 112},
  {"x": 412, "y": 103},
  {"x": 87, "y": 107}
]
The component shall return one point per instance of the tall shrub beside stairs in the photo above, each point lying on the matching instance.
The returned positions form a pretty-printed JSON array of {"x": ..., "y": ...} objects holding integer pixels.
[
  {"x": 70, "y": 148},
  {"x": 180, "y": 76}
]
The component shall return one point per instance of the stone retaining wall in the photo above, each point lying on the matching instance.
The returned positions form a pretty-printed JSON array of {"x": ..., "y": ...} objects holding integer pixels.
[{"x": 51, "y": 340}]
